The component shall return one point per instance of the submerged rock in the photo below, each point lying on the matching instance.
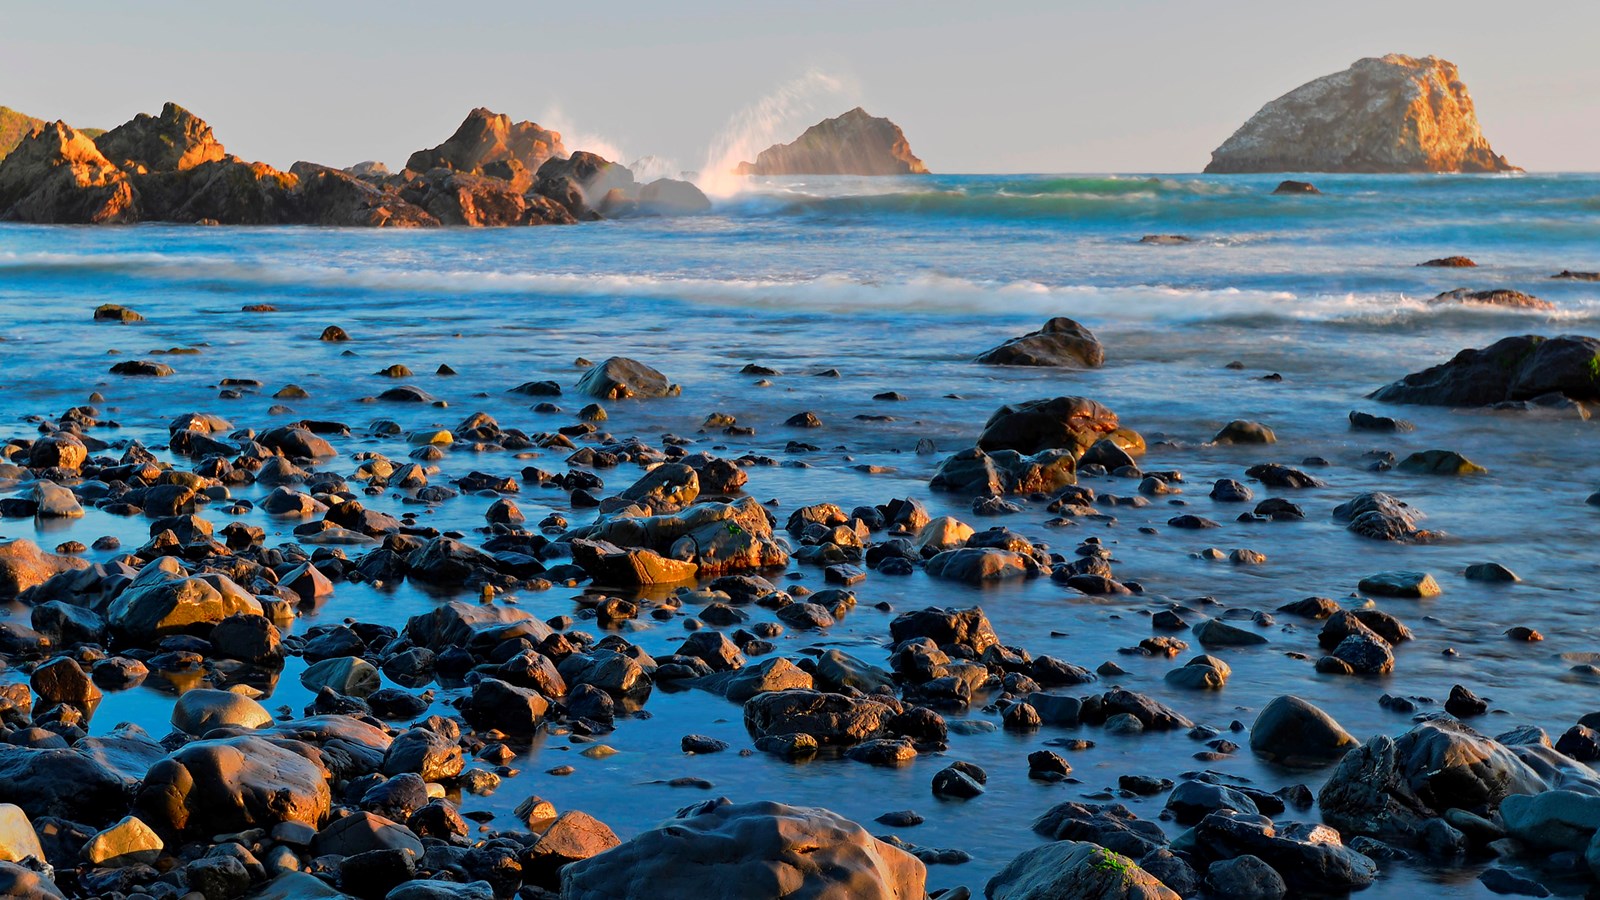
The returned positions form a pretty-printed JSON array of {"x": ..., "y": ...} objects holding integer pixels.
[
  {"x": 1061, "y": 343},
  {"x": 1387, "y": 114},
  {"x": 855, "y": 143}
]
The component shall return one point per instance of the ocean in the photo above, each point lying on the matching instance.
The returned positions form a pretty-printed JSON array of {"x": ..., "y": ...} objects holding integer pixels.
[{"x": 898, "y": 283}]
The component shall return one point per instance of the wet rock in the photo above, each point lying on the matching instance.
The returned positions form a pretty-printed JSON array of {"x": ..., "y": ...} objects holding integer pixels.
[
  {"x": 945, "y": 626},
  {"x": 720, "y": 538},
  {"x": 1074, "y": 870},
  {"x": 231, "y": 784},
  {"x": 200, "y": 710},
  {"x": 1439, "y": 462},
  {"x": 1360, "y": 421},
  {"x": 619, "y": 377},
  {"x": 1496, "y": 297},
  {"x": 127, "y": 843},
  {"x": 1112, "y": 826},
  {"x": 1245, "y": 878},
  {"x": 1552, "y": 820},
  {"x": 1240, "y": 431},
  {"x": 1492, "y": 573},
  {"x": 976, "y": 472},
  {"x": 1412, "y": 585},
  {"x": 1061, "y": 343},
  {"x": 832, "y": 719},
  {"x": 23, "y": 565},
  {"x": 1073, "y": 424},
  {"x": 1293, "y": 731},
  {"x": 1309, "y": 858},
  {"x": 1217, "y": 633},
  {"x": 980, "y": 565},
  {"x": 748, "y": 850},
  {"x": 1514, "y": 368},
  {"x": 1389, "y": 787},
  {"x": 957, "y": 782}
]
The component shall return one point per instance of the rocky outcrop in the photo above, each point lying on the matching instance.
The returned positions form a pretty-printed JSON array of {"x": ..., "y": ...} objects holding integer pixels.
[
  {"x": 855, "y": 143},
  {"x": 1390, "y": 114},
  {"x": 57, "y": 175},
  {"x": 722, "y": 849},
  {"x": 332, "y": 197},
  {"x": 171, "y": 168},
  {"x": 489, "y": 143},
  {"x": 175, "y": 141},
  {"x": 1522, "y": 368}
]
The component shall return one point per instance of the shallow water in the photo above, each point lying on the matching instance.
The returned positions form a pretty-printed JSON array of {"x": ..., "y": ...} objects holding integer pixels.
[{"x": 898, "y": 283}]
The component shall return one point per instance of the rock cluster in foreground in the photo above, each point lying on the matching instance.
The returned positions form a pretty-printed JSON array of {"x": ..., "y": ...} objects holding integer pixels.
[
  {"x": 1383, "y": 114},
  {"x": 856, "y": 143},
  {"x": 171, "y": 168}
]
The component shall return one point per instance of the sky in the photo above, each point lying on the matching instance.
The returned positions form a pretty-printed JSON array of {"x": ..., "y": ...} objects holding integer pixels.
[{"x": 1020, "y": 86}]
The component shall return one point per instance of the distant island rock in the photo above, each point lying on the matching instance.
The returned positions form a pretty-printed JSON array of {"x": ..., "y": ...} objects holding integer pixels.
[
  {"x": 1392, "y": 114},
  {"x": 856, "y": 143},
  {"x": 171, "y": 168}
]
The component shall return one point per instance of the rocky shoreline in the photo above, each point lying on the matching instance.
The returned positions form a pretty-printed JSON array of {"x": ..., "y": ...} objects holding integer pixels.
[
  {"x": 171, "y": 168},
  {"x": 255, "y": 522}
]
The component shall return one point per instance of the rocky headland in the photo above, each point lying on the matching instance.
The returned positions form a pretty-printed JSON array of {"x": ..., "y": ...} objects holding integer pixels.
[
  {"x": 855, "y": 143},
  {"x": 172, "y": 168},
  {"x": 1390, "y": 114}
]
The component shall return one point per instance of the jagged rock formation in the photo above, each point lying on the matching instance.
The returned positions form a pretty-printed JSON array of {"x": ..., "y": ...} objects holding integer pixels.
[
  {"x": 14, "y": 126},
  {"x": 855, "y": 143},
  {"x": 175, "y": 141},
  {"x": 56, "y": 174},
  {"x": 1391, "y": 114},
  {"x": 488, "y": 143},
  {"x": 172, "y": 168}
]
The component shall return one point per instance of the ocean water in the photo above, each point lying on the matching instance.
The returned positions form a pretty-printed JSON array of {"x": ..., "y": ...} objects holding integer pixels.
[{"x": 898, "y": 284}]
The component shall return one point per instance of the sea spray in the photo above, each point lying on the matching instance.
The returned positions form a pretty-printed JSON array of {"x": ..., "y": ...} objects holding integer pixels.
[{"x": 775, "y": 118}]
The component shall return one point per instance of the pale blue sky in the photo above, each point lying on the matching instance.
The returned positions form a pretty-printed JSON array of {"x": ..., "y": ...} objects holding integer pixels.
[{"x": 1065, "y": 86}]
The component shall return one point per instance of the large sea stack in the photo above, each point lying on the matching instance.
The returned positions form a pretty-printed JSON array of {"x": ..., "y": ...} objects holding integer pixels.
[
  {"x": 856, "y": 143},
  {"x": 1391, "y": 114}
]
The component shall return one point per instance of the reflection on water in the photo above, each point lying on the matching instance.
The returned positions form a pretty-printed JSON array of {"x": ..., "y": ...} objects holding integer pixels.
[{"x": 898, "y": 292}]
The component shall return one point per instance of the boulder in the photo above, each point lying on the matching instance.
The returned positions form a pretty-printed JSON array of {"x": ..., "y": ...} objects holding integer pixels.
[
  {"x": 572, "y": 837},
  {"x": 1061, "y": 343},
  {"x": 611, "y": 565},
  {"x": 202, "y": 709},
  {"x": 1061, "y": 423},
  {"x": 619, "y": 377},
  {"x": 719, "y": 538},
  {"x": 462, "y": 624},
  {"x": 1552, "y": 820},
  {"x": 1074, "y": 870},
  {"x": 129, "y": 842},
  {"x": 1388, "y": 114},
  {"x": 23, "y": 565},
  {"x": 163, "y": 600},
  {"x": 671, "y": 197},
  {"x": 944, "y": 626},
  {"x": 1389, "y": 788},
  {"x": 1294, "y": 732},
  {"x": 1524, "y": 367},
  {"x": 1311, "y": 859},
  {"x": 981, "y": 565},
  {"x": 1112, "y": 826},
  {"x": 833, "y": 719},
  {"x": 719, "y": 850},
  {"x": 18, "y": 840},
  {"x": 855, "y": 143},
  {"x": 57, "y": 175},
  {"x": 974, "y": 472},
  {"x": 67, "y": 784},
  {"x": 230, "y": 784}
]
